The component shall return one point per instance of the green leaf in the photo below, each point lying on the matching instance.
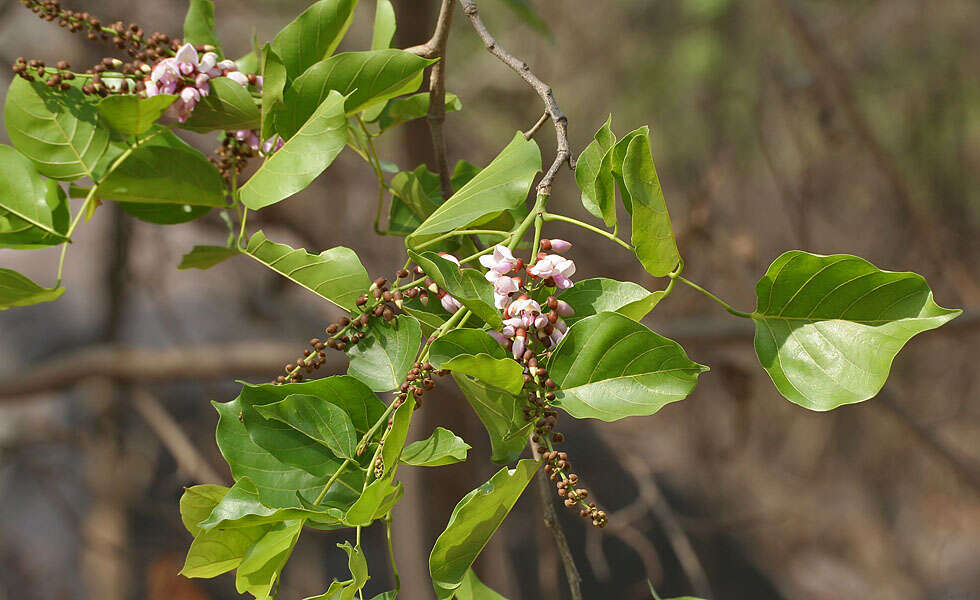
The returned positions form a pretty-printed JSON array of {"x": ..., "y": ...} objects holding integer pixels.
[
  {"x": 653, "y": 236},
  {"x": 473, "y": 522},
  {"x": 302, "y": 158},
  {"x": 205, "y": 257},
  {"x": 314, "y": 35},
  {"x": 165, "y": 213},
  {"x": 474, "y": 589},
  {"x": 384, "y": 25},
  {"x": 241, "y": 507},
  {"x": 363, "y": 78},
  {"x": 466, "y": 285},
  {"x": 196, "y": 504},
  {"x": 827, "y": 328},
  {"x": 386, "y": 354},
  {"x": 132, "y": 115},
  {"x": 220, "y": 550},
  {"x": 249, "y": 63},
  {"x": 229, "y": 106},
  {"x": 273, "y": 87},
  {"x": 616, "y": 162},
  {"x": 462, "y": 342},
  {"x": 609, "y": 367},
  {"x": 60, "y": 132},
  {"x": 31, "y": 210},
  {"x": 259, "y": 570},
  {"x": 358, "y": 567},
  {"x": 504, "y": 373},
  {"x": 17, "y": 290},
  {"x": 592, "y": 296},
  {"x": 443, "y": 447},
  {"x": 199, "y": 27},
  {"x": 317, "y": 419},
  {"x": 430, "y": 316},
  {"x": 160, "y": 175},
  {"x": 409, "y": 108},
  {"x": 501, "y": 186},
  {"x": 593, "y": 174},
  {"x": 335, "y": 274},
  {"x": 501, "y": 415}
]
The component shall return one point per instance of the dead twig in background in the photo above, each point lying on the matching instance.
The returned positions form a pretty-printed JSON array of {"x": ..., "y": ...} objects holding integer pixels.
[
  {"x": 551, "y": 521},
  {"x": 437, "y": 96}
]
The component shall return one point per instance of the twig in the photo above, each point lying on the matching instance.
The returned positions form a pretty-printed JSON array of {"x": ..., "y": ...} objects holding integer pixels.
[
  {"x": 551, "y": 521},
  {"x": 534, "y": 128},
  {"x": 173, "y": 438},
  {"x": 437, "y": 96},
  {"x": 543, "y": 90}
]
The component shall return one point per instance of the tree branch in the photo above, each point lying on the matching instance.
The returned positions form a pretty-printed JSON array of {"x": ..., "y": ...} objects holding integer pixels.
[
  {"x": 551, "y": 521},
  {"x": 437, "y": 96},
  {"x": 563, "y": 154}
]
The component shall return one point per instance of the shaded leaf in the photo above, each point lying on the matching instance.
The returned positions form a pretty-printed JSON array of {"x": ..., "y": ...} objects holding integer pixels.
[
  {"x": 501, "y": 415},
  {"x": 259, "y": 570},
  {"x": 504, "y": 373},
  {"x": 386, "y": 354},
  {"x": 241, "y": 507},
  {"x": 474, "y": 589},
  {"x": 317, "y": 419},
  {"x": 157, "y": 174},
  {"x": 609, "y": 367},
  {"x": 335, "y": 274},
  {"x": 205, "y": 257},
  {"x": 827, "y": 328},
  {"x": 313, "y": 35},
  {"x": 474, "y": 520},
  {"x": 31, "y": 210},
  {"x": 443, "y": 447},
  {"x": 302, "y": 158},
  {"x": 616, "y": 159},
  {"x": 409, "y": 108},
  {"x": 229, "y": 106},
  {"x": 17, "y": 290},
  {"x": 462, "y": 342},
  {"x": 466, "y": 285},
  {"x": 132, "y": 115},
  {"x": 653, "y": 236},
  {"x": 60, "y": 132},
  {"x": 199, "y": 27},
  {"x": 592, "y": 296},
  {"x": 273, "y": 86}
]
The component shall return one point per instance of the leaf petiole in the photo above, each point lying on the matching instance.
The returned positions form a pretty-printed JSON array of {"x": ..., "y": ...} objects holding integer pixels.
[
  {"x": 725, "y": 305},
  {"x": 609, "y": 236}
]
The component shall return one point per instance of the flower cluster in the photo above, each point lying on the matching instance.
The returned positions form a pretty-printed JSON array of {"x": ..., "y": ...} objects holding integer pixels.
[{"x": 188, "y": 76}]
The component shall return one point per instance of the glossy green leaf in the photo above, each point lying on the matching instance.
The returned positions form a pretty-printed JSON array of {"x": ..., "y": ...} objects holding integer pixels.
[
  {"x": 409, "y": 108},
  {"x": 386, "y": 354},
  {"x": 827, "y": 328},
  {"x": 593, "y": 174},
  {"x": 504, "y": 373},
  {"x": 17, "y": 290},
  {"x": 317, "y": 419},
  {"x": 609, "y": 367},
  {"x": 196, "y": 504},
  {"x": 462, "y": 342},
  {"x": 474, "y": 589},
  {"x": 160, "y": 175},
  {"x": 60, "y": 132},
  {"x": 228, "y": 106},
  {"x": 313, "y": 35},
  {"x": 132, "y": 115},
  {"x": 466, "y": 285},
  {"x": 501, "y": 415},
  {"x": 301, "y": 159},
  {"x": 501, "y": 186},
  {"x": 653, "y": 236},
  {"x": 205, "y": 257},
  {"x": 335, "y": 274},
  {"x": 219, "y": 551},
  {"x": 384, "y": 25},
  {"x": 199, "y": 27},
  {"x": 443, "y": 447},
  {"x": 273, "y": 86},
  {"x": 616, "y": 159},
  {"x": 259, "y": 570},
  {"x": 592, "y": 296},
  {"x": 363, "y": 78},
  {"x": 31, "y": 210},
  {"x": 471, "y": 525},
  {"x": 241, "y": 507}
]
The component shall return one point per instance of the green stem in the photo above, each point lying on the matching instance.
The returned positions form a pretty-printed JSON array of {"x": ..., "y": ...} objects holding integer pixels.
[
  {"x": 333, "y": 478},
  {"x": 376, "y": 166},
  {"x": 391, "y": 554},
  {"x": 460, "y": 232},
  {"x": 521, "y": 229},
  {"x": 538, "y": 223},
  {"x": 583, "y": 225},
  {"x": 724, "y": 304}
]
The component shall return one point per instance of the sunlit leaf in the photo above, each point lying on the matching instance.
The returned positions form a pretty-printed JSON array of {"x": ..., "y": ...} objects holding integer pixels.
[
  {"x": 132, "y": 115},
  {"x": 199, "y": 27},
  {"x": 313, "y": 35},
  {"x": 32, "y": 211},
  {"x": 466, "y": 285},
  {"x": 196, "y": 504},
  {"x": 273, "y": 87},
  {"x": 241, "y": 507},
  {"x": 610, "y": 367},
  {"x": 384, "y": 25},
  {"x": 501, "y": 415},
  {"x": 219, "y": 551},
  {"x": 386, "y": 354},
  {"x": 653, "y": 236},
  {"x": 474, "y": 520},
  {"x": 156, "y": 174},
  {"x": 409, "y": 108},
  {"x": 317, "y": 419},
  {"x": 261, "y": 565},
  {"x": 17, "y": 290},
  {"x": 592, "y": 296},
  {"x": 461, "y": 342},
  {"x": 593, "y": 174},
  {"x": 228, "y": 106},
  {"x": 443, "y": 447},
  {"x": 474, "y": 589},
  {"x": 504, "y": 373},
  {"x": 827, "y": 328}
]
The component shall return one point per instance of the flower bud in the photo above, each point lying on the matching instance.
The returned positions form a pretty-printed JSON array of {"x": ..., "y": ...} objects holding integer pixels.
[
  {"x": 565, "y": 309},
  {"x": 560, "y": 246}
]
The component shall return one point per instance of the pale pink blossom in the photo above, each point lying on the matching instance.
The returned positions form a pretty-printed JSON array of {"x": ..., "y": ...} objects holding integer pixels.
[
  {"x": 565, "y": 309},
  {"x": 502, "y": 260},
  {"x": 554, "y": 267},
  {"x": 187, "y": 54},
  {"x": 238, "y": 77},
  {"x": 501, "y": 338},
  {"x": 523, "y": 305},
  {"x": 202, "y": 83},
  {"x": 560, "y": 246},
  {"x": 449, "y": 303},
  {"x": 208, "y": 62}
]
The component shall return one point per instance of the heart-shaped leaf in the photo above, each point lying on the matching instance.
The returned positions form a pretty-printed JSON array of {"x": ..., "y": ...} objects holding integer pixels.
[
  {"x": 610, "y": 367},
  {"x": 317, "y": 419},
  {"x": 60, "y": 132},
  {"x": 443, "y": 447},
  {"x": 386, "y": 354},
  {"x": 503, "y": 185},
  {"x": 827, "y": 328},
  {"x": 313, "y": 35},
  {"x": 302, "y": 158},
  {"x": 335, "y": 274},
  {"x": 592, "y": 296},
  {"x": 472, "y": 523},
  {"x": 653, "y": 236}
]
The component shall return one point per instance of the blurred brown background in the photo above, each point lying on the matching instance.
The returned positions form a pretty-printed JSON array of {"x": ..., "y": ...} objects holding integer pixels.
[{"x": 827, "y": 125}]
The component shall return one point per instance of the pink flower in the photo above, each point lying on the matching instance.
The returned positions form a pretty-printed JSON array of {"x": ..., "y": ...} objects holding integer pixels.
[
  {"x": 523, "y": 305},
  {"x": 520, "y": 344},
  {"x": 227, "y": 65},
  {"x": 187, "y": 54},
  {"x": 238, "y": 77},
  {"x": 554, "y": 267},
  {"x": 208, "y": 62},
  {"x": 565, "y": 309},
  {"x": 501, "y": 338},
  {"x": 449, "y": 303},
  {"x": 202, "y": 83},
  {"x": 272, "y": 144},
  {"x": 560, "y": 246},
  {"x": 151, "y": 88},
  {"x": 502, "y": 261},
  {"x": 166, "y": 71}
]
